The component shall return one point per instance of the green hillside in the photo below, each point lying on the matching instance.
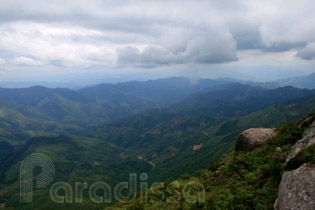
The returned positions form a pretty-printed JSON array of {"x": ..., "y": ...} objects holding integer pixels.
[
  {"x": 167, "y": 140},
  {"x": 90, "y": 137},
  {"x": 239, "y": 180},
  {"x": 165, "y": 154},
  {"x": 75, "y": 159}
]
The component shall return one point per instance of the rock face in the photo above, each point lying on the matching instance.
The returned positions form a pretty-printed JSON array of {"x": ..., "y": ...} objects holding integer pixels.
[
  {"x": 253, "y": 138},
  {"x": 297, "y": 187},
  {"x": 308, "y": 139},
  {"x": 307, "y": 122}
]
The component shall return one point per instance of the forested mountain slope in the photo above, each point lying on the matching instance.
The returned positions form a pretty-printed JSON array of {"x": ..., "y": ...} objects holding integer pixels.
[
  {"x": 101, "y": 136},
  {"x": 239, "y": 180}
]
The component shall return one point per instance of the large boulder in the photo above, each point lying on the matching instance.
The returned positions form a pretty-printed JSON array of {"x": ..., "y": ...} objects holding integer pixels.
[
  {"x": 297, "y": 189},
  {"x": 253, "y": 138}
]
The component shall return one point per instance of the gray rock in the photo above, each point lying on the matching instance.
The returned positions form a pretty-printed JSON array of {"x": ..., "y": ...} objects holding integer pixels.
[
  {"x": 276, "y": 205},
  {"x": 307, "y": 122},
  {"x": 297, "y": 189},
  {"x": 253, "y": 138},
  {"x": 308, "y": 139},
  {"x": 310, "y": 133}
]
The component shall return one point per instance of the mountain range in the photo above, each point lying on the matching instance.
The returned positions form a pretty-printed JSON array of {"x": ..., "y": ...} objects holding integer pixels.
[{"x": 164, "y": 128}]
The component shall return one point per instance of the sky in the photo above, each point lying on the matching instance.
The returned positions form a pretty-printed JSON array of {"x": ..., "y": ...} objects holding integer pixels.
[{"x": 95, "y": 41}]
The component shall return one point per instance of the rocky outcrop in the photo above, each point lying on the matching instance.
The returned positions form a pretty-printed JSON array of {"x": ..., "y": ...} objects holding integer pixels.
[
  {"x": 297, "y": 187},
  {"x": 253, "y": 138},
  {"x": 307, "y": 122},
  {"x": 308, "y": 139}
]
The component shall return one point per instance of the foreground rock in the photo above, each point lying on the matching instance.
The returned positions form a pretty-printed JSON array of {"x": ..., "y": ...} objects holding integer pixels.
[
  {"x": 297, "y": 189},
  {"x": 308, "y": 139},
  {"x": 253, "y": 138},
  {"x": 307, "y": 122}
]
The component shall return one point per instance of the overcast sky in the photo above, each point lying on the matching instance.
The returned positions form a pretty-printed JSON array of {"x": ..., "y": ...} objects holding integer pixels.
[{"x": 96, "y": 40}]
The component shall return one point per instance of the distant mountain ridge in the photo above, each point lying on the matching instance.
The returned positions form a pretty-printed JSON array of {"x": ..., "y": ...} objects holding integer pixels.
[
  {"x": 235, "y": 100},
  {"x": 26, "y": 112},
  {"x": 167, "y": 90},
  {"x": 44, "y": 111},
  {"x": 299, "y": 82}
]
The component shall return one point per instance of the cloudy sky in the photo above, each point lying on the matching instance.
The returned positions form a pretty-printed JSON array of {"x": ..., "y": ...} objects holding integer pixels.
[{"x": 104, "y": 40}]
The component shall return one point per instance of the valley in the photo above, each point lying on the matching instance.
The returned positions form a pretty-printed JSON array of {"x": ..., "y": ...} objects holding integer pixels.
[{"x": 105, "y": 133}]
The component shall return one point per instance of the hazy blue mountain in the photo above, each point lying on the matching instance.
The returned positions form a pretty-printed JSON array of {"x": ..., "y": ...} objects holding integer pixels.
[
  {"x": 167, "y": 90},
  {"x": 267, "y": 84},
  {"x": 235, "y": 100},
  {"x": 239, "y": 93},
  {"x": 300, "y": 82},
  {"x": 27, "y": 112},
  {"x": 45, "y": 84}
]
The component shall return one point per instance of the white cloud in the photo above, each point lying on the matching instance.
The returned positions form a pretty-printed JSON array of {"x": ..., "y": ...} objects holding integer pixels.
[
  {"x": 25, "y": 61},
  {"x": 2, "y": 61},
  {"x": 55, "y": 44},
  {"x": 285, "y": 21}
]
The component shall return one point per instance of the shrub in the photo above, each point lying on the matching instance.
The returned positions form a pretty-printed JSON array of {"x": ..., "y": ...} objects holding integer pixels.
[{"x": 185, "y": 176}]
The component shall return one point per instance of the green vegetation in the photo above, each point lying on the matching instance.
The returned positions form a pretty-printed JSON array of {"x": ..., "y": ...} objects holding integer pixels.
[
  {"x": 239, "y": 180},
  {"x": 306, "y": 155},
  {"x": 166, "y": 140},
  {"x": 83, "y": 132}
]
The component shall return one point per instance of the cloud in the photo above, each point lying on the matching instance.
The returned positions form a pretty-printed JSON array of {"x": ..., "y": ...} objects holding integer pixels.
[
  {"x": 25, "y": 61},
  {"x": 2, "y": 61},
  {"x": 284, "y": 22},
  {"x": 75, "y": 33},
  {"x": 308, "y": 52},
  {"x": 210, "y": 45},
  {"x": 51, "y": 44}
]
